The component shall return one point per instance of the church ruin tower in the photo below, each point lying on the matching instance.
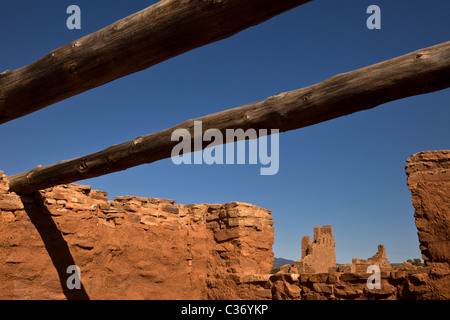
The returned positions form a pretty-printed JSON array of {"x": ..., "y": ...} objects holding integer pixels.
[{"x": 318, "y": 256}]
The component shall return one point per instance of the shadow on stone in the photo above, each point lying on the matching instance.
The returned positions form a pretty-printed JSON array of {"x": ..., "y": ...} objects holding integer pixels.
[{"x": 54, "y": 242}]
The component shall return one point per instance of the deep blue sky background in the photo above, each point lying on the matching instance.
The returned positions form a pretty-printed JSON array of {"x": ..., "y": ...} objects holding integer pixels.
[{"x": 348, "y": 172}]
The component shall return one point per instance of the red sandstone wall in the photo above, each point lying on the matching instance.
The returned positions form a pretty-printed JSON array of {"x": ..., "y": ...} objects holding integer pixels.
[{"x": 130, "y": 248}]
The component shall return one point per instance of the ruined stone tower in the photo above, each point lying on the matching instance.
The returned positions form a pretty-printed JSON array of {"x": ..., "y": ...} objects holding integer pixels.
[{"x": 318, "y": 256}]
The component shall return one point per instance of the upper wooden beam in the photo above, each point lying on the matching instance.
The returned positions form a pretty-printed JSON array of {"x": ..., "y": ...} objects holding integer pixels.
[
  {"x": 420, "y": 72},
  {"x": 155, "y": 34}
]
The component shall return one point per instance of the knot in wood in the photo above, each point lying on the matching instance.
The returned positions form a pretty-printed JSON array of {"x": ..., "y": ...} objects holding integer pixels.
[{"x": 83, "y": 166}]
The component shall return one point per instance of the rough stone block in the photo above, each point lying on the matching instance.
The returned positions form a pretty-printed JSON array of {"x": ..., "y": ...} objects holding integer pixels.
[
  {"x": 385, "y": 290},
  {"x": 4, "y": 185},
  {"x": 265, "y": 294},
  {"x": 7, "y": 216},
  {"x": 333, "y": 278},
  {"x": 149, "y": 211},
  {"x": 226, "y": 234},
  {"x": 256, "y": 278},
  {"x": 171, "y": 226},
  {"x": 134, "y": 218},
  {"x": 323, "y": 288},
  {"x": 10, "y": 202},
  {"x": 282, "y": 290},
  {"x": 348, "y": 291},
  {"x": 212, "y": 225},
  {"x": 130, "y": 207},
  {"x": 318, "y": 277},
  {"x": 170, "y": 208},
  {"x": 212, "y": 217},
  {"x": 354, "y": 277},
  {"x": 149, "y": 220}
]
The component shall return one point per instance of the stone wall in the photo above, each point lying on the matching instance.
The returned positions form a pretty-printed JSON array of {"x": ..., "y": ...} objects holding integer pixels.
[
  {"x": 129, "y": 248},
  {"x": 412, "y": 284},
  {"x": 360, "y": 265},
  {"x": 403, "y": 282}
]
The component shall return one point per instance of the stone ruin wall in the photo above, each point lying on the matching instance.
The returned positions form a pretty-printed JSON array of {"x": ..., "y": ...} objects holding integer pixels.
[
  {"x": 318, "y": 256},
  {"x": 360, "y": 265},
  {"x": 429, "y": 182},
  {"x": 129, "y": 248},
  {"x": 149, "y": 248}
]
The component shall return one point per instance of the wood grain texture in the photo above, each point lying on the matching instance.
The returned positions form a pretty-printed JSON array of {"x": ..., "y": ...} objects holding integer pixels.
[
  {"x": 155, "y": 34},
  {"x": 420, "y": 72}
]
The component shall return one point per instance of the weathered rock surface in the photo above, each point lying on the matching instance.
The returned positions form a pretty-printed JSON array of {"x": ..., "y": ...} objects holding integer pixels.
[
  {"x": 429, "y": 181},
  {"x": 129, "y": 248}
]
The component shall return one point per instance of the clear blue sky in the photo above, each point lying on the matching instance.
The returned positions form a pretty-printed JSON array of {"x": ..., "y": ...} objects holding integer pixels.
[{"x": 348, "y": 172}]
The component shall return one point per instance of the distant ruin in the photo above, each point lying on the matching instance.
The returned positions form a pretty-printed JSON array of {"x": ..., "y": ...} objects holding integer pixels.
[
  {"x": 320, "y": 257},
  {"x": 360, "y": 265}
]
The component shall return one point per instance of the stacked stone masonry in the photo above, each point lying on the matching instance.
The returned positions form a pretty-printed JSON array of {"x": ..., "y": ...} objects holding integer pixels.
[
  {"x": 129, "y": 248},
  {"x": 150, "y": 248},
  {"x": 360, "y": 265}
]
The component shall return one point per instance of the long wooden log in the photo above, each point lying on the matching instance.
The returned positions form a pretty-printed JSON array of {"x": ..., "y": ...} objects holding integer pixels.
[
  {"x": 420, "y": 72},
  {"x": 157, "y": 33}
]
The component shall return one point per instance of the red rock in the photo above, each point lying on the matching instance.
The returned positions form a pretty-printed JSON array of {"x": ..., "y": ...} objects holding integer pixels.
[
  {"x": 10, "y": 202},
  {"x": 175, "y": 246},
  {"x": 283, "y": 290},
  {"x": 4, "y": 185},
  {"x": 348, "y": 291},
  {"x": 226, "y": 234},
  {"x": 7, "y": 216},
  {"x": 429, "y": 181},
  {"x": 323, "y": 288}
]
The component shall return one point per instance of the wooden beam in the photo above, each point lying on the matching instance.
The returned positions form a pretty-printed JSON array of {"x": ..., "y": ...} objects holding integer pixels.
[
  {"x": 155, "y": 34},
  {"x": 420, "y": 72}
]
